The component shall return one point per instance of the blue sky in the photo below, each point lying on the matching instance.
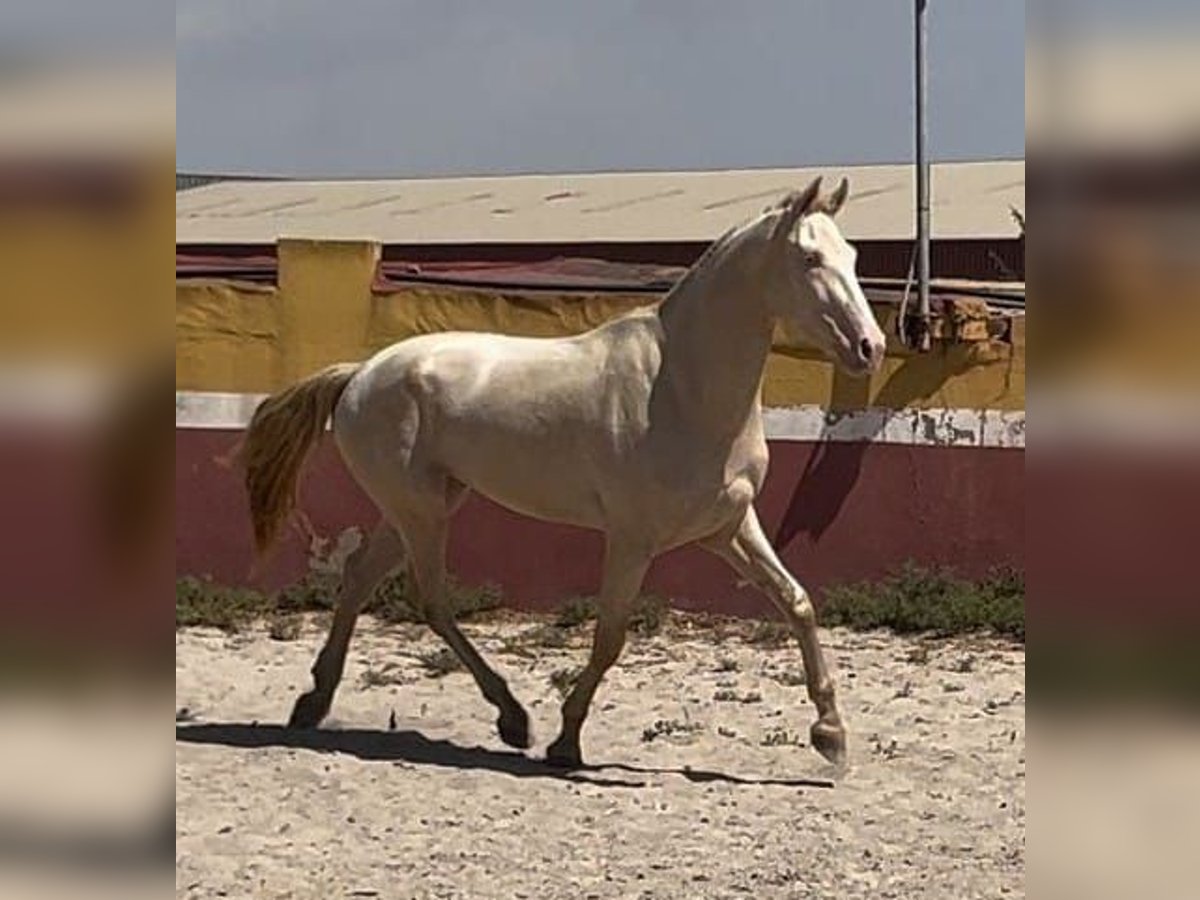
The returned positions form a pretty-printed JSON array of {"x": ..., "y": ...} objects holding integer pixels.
[{"x": 382, "y": 87}]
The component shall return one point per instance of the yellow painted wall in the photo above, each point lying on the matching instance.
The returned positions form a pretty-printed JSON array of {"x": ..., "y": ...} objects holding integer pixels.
[{"x": 247, "y": 338}]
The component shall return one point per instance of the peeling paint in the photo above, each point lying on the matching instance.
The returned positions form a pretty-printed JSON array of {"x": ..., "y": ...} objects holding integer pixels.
[{"x": 910, "y": 427}]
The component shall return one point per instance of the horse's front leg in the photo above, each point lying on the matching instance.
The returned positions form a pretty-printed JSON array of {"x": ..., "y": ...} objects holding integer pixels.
[
  {"x": 753, "y": 557},
  {"x": 624, "y": 569}
]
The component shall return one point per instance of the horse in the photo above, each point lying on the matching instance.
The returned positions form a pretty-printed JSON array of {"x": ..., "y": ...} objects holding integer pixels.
[{"x": 647, "y": 428}]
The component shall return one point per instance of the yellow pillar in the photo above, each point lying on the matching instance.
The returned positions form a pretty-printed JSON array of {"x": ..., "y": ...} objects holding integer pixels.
[{"x": 324, "y": 303}]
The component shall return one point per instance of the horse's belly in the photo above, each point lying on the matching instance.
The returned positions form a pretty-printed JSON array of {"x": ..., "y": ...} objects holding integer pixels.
[
  {"x": 585, "y": 513},
  {"x": 544, "y": 485}
]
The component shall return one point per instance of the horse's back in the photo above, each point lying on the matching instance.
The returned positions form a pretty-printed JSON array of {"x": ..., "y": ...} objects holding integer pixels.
[
  {"x": 525, "y": 421},
  {"x": 495, "y": 377}
]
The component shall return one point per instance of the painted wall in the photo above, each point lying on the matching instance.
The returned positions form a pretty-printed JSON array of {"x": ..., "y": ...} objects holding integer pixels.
[
  {"x": 925, "y": 460},
  {"x": 248, "y": 338}
]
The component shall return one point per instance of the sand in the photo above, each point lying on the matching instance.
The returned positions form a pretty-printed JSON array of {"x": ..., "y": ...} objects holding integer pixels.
[{"x": 700, "y": 788}]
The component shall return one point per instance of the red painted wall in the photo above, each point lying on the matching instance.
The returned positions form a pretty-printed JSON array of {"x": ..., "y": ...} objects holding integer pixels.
[{"x": 836, "y": 511}]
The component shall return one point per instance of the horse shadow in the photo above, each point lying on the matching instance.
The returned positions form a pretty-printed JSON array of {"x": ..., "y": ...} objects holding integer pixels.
[{"x": 414, "y": 748}]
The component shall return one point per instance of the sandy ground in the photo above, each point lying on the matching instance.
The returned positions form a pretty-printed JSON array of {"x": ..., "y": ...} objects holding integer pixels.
[{"x": 699, "y": 787}]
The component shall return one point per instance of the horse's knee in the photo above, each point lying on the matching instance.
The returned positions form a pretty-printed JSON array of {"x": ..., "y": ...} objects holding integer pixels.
[{"x": 803, "y": 613}]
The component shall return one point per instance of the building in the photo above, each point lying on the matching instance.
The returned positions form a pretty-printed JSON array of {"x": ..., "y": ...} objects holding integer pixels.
[{"x": 637, "y": 217}]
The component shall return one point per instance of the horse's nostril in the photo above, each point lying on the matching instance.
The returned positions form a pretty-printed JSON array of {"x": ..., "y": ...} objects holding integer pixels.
[{"x": 866, "y": 349}]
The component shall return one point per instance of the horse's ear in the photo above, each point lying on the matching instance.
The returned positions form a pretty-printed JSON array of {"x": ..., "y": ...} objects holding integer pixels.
[
  {"x": 834, "y": 202},
  {"x": 793, "y": 207}
]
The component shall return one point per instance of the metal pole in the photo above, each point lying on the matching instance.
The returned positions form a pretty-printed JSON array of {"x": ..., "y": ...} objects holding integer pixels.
[{"x": 918, "y": 327}]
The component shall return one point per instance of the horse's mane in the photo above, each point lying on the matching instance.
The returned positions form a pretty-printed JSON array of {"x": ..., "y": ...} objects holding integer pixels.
[{"x": 704, "y": 261}]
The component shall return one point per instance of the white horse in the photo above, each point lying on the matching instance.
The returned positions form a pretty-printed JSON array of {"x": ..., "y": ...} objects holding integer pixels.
[{"x": 647, "y": 428}]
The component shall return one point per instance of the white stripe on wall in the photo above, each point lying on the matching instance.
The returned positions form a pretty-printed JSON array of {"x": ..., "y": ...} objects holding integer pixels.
[
  {"x": 208, "y": 409},
  {"x": 932, "y": 427},
  {"x": 923, "y": 427}
]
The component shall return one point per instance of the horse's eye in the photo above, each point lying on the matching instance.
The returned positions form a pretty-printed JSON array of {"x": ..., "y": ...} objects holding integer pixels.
[{"x": 812, "y": 259}]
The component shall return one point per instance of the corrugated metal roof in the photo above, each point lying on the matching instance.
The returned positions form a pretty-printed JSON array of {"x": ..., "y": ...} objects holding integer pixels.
[
  {"x": 970, "y": 200},
  {"x": 186, "y": 181}
]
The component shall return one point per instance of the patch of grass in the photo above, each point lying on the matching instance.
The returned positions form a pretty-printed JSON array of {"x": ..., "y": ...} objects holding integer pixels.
[
  {"x": 650, "y": 614},
  {"x": 575, "y": 612},
  {"x": 200, "y": 602},
  {"x": 769, "y": 634},
  {"x": 474, "y": 601},
  {"x": 395, "y": 601},
  {"x": 550, "y": 637},
  {"x": 781, "y": 737},
  {"x": 788, "y": 677},
  {"x": 439, "y": 663},
  {"x": 388, "y": 675},
  {"x": 914, "y": 600},
  {"x": 670, "y": 728},
  {"x": 728, "y": 695},
  {"x": 285, "y": 627},
  {"x": 313, "y": 593},
  {"x": 918, "y": 600}
]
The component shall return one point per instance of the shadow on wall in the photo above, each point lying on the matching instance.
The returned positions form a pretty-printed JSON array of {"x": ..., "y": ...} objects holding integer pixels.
[{"x": 835, "y": 466}]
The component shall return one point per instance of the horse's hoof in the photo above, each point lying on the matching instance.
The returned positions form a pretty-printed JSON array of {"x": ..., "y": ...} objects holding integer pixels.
[
  {"x": 514, "y": 729},
  {"x": 564, "y": 756},
  {"x": 309, "y": 710},
  {"x": 829, "y": 739}
]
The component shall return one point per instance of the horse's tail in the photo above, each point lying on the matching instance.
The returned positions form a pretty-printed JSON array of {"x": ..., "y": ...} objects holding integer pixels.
[{"x": 283, "y": 428}]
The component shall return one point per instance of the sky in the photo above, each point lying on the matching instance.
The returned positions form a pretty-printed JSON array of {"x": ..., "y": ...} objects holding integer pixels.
[{"x": 378, "y": 88}]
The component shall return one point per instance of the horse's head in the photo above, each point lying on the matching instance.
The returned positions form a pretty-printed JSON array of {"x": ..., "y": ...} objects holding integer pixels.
[{"x": 813, "y": 288}]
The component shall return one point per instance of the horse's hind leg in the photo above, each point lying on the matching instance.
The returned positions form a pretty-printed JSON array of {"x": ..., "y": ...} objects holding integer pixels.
[
  {"x": 365, "y": 568},
  {"x": 425, "y": 534}
]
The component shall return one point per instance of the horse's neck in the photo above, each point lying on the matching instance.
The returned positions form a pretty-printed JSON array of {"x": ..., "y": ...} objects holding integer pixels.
[{"x": 717, "y": 336}]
